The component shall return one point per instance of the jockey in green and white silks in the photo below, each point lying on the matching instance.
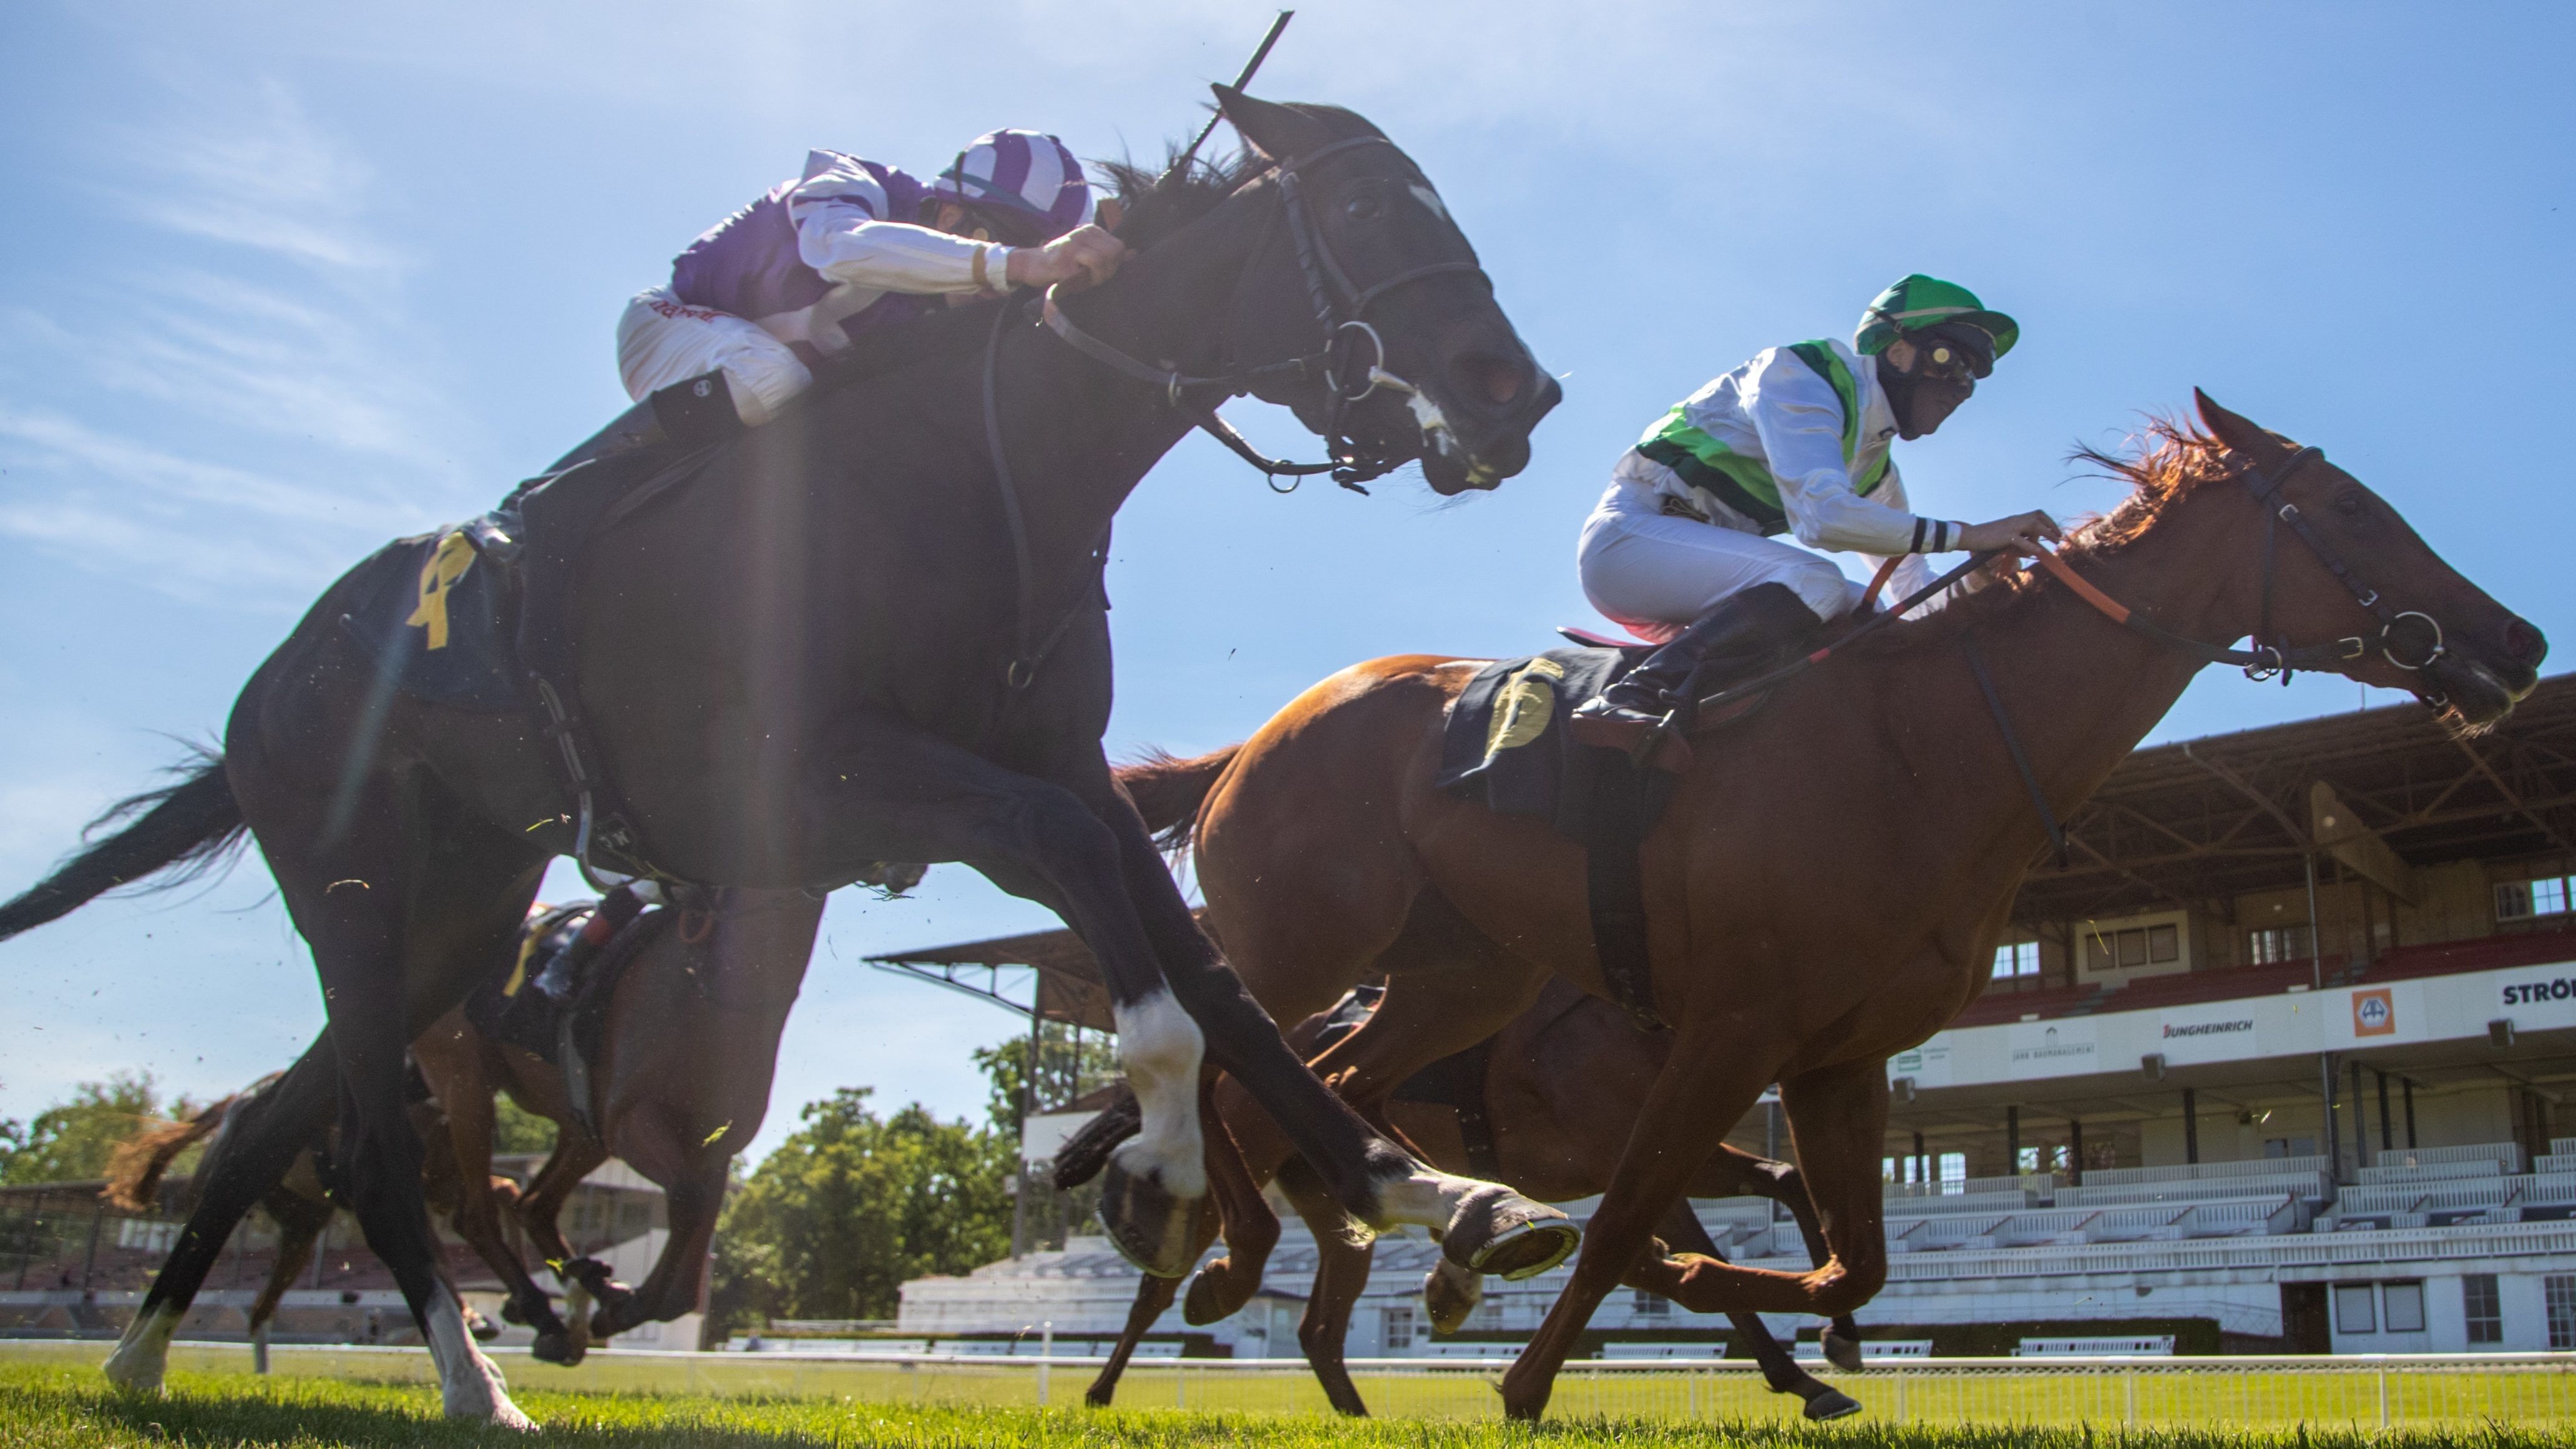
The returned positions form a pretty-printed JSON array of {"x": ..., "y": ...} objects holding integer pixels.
[{"x": 1681, "y": 549}]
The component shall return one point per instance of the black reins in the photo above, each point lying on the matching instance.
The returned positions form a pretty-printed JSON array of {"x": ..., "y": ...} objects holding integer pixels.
[{"x": 1341, "y": 309}]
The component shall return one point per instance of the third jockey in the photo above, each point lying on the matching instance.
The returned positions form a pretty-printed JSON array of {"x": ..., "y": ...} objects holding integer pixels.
[
  {"x": 770, "y": 292},
  {"x": 1796, "y": 441}
]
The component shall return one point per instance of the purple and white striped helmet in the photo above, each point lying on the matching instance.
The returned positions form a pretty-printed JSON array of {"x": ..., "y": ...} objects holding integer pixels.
[{"x": 1027, "y": 177}]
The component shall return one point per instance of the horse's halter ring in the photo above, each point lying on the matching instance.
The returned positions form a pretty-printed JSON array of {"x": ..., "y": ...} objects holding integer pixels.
[
  {"x": 2277, "y": 659},
  {"x": 1341, "y": 311}
]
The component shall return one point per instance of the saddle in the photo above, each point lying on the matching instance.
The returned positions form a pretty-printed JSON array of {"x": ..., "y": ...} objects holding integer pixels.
[{"x": 566, "y": 1033}]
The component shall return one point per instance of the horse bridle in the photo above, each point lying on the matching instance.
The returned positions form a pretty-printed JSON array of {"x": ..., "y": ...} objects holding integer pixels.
[
  {"x": 2271, "y": 658},
  {"x": 1341, "y": 310}
]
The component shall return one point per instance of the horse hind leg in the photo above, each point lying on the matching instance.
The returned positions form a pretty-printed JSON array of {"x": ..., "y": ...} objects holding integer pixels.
[
  {"x": 1154, "y": 1297},
  {"x": 1342, "y": 1267},
  {"x": 264, "y": 1136}
]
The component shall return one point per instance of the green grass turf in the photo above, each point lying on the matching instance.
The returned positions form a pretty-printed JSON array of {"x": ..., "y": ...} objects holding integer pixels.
[{"x": 70, "y": 1407}]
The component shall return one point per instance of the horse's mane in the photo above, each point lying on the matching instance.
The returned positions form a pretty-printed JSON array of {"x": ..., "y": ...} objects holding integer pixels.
[
  {"x": 2164, "y": 463},
  {"x": 1156, "y": 207}
]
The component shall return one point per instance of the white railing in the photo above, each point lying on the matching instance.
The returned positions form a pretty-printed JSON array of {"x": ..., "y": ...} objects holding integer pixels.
[{"x": 2461, "y": 1390}]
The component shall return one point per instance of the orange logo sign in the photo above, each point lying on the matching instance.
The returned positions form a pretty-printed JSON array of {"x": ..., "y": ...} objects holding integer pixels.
[{"x": 2374, "y": 1012}]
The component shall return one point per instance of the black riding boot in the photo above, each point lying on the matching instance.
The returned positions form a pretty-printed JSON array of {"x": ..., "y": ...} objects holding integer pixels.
[{"x": 1744, "y": 633}]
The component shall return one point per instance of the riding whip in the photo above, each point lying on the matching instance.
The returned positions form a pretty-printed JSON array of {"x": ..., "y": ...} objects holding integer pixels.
[{"x": 1259, "y": 55}]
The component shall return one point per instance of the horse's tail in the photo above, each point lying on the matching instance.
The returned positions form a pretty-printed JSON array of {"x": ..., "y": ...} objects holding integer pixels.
[
  {"x": 193, "y": 825},
  {"x": 1168, "y": 791},
  {"x": 135, "y": 1169},
  {"x": 1083, "y": 1154}
]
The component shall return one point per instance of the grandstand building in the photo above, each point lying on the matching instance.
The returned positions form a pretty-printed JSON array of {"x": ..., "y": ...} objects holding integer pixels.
[{"x": 2280, "y": 1059}]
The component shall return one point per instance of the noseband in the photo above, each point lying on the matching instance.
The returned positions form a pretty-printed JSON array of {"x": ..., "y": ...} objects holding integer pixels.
[{"x": 1341, "y": 311}]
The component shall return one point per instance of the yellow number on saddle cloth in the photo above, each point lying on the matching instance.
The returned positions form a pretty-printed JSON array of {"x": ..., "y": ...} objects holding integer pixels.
[
  {"x": 1523, "y": 706},
  {"x": 447, "y": 563}
]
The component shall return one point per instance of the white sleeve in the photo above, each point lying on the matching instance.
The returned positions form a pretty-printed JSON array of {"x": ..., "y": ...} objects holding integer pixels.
[
  {"x": 1799, "y": 418},
  {"x": 836, "y": 209},
  {"x": 1916, "y": 569}
]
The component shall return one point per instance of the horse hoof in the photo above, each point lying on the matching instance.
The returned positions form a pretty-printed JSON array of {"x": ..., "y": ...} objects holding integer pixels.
[
  {"x": 1832, "y": 1404},
  {"x": 1212, "y": 1296},
  {"x": 1498, "y": 1231},
  {"x": 1843, "y": 1353},
  {"x": 1447, "y": 1300},
  {"x": 1149, "y": 1226},
  {"x": 556, "y": 1346}
]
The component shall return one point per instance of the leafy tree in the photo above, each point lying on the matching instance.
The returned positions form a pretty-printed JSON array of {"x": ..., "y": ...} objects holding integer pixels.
[
  {"x": 72, "y": 1140},
  {"x": 852, "y": 1205},
  {"x": 516, "y": 1129},
  {"x": 1070, "y": 1062}
]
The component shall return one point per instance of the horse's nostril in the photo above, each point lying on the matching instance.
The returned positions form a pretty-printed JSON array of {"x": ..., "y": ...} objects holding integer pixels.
[
  {"x": 2524, "y": 644},
  {"x": 1497, "y": 379}
]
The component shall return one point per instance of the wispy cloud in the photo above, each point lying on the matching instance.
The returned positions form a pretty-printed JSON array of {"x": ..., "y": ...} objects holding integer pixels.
[{"x": 234, "y": 421}]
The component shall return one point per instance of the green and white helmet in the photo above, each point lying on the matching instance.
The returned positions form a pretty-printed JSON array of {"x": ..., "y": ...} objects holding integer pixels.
[{"x": 1920, "y": 303}]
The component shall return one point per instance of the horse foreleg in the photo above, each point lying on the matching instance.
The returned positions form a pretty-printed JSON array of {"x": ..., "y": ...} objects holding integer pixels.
[
  {"x": 1838, "y": 1118},
  {"x": 1736, "y": 1173},
  {"x": 678, "y": 1275},
  {"x": 1341, "y": 1274},
  {"x": 1154, "y": 1297},
  {"x": 1683, "y": 1230},
  {"x": 540, "y": 1208},
  {"x": 450, "y": 1055},
  {"x": 1225, "y": 1284},
  {"x": 1708, "y": 1081}
]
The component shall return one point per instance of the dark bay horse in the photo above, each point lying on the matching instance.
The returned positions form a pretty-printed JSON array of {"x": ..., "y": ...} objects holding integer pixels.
[
  {"x": 680, "y": 1084},
  {"x": 1828, "y": 884},
  {"x": 1557, "y": 1092},
  {"x": 871, "y": 631}
]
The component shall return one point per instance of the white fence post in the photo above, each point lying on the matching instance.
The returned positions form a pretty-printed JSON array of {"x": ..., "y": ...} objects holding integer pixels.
[
  {"x": 2383, "y": 1398},
  {"x": 2129, "y": 1388},
  {"x": 1046, "y": 1351}
]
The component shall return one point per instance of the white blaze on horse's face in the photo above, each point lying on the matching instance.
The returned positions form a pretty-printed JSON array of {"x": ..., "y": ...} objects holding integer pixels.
[
  {"x": 1160, "y": 1047},
  {"x": 469, "y": 1385},
  {"x": 144, "y": 1352}
]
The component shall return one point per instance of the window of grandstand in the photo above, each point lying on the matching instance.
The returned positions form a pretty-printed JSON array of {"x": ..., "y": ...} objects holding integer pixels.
[
  {"x": 2135, "y": 946},
  {"x": 2272, "y": 945},
  {"x": 1399, "y": 1327},
  {"x": 2401, "y": 1307},
  {"x": 1648, "y": 1305},
  {"x": 2018, "y": 960},
  {"x": 2354, "y": 1311},
  {"x": 2042, "y": 1159},
  {"x": 2484, "y": 1308},
  {"x": 1954, "y": 1167},
  {"x": 2523, "y": 900},
  {"x": 2558, "y": 1295}
]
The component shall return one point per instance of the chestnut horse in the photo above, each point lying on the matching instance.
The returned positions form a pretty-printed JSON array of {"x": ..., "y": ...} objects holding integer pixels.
[
  {"x": 1828, "y": 884},
  {"x": 1558, "y": 1091},
  {"x": 679, "y": 1086}
]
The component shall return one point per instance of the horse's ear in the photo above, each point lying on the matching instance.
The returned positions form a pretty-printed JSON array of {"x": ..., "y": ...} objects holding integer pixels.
[
  {"x": 2239, "y": 433},
  {"x": 1279, "y": 132}
]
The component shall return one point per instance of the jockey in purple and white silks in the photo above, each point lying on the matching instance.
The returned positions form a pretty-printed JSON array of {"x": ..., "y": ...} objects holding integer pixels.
[
  {"x": 1680, "y": 550},
  {"x": 770, "y": 292}
]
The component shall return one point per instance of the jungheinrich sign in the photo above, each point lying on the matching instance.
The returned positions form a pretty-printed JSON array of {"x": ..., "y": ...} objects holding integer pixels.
[{"x": 2432, "y": 1008}]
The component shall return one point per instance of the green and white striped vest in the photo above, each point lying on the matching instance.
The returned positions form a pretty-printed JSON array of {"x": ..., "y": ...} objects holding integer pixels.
[{"x": 1746, "y": 484}]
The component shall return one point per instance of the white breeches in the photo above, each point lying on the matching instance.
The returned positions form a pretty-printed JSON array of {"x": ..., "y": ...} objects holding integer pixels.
[
  {"x": 662, "y": 340},
  {"x": 1653, "y": 574}
]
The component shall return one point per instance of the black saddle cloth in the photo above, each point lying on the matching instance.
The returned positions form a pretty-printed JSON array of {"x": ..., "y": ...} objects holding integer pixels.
[
  {"x": 437, "y": 618},
  {"x": 1505, "y": 742},
  {"x": 509, "y": 1008}
]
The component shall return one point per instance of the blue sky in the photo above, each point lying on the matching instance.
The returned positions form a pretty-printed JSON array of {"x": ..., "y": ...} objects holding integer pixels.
[{"x": 288, "y": 279}]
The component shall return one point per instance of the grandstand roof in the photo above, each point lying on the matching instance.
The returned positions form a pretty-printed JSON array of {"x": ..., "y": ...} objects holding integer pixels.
[{"x": 2210, "y": 818}]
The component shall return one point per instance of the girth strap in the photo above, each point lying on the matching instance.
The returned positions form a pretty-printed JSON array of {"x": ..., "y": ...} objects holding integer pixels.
[{"x": 2012, "y": 747}]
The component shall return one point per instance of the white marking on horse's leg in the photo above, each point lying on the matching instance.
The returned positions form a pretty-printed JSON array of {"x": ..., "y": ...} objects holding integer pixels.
[
  {"x": 1160, "y": 1046},
  {"x": 144, "y": 1352},
  {"x": 1424, "y": 1197},
  {"x": 1464, "y": 1283},
  {"x": 469, "y": 1385}
]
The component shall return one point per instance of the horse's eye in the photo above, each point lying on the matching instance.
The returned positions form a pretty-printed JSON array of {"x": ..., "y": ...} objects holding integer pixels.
[{"x": 1364, "y": 207}]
